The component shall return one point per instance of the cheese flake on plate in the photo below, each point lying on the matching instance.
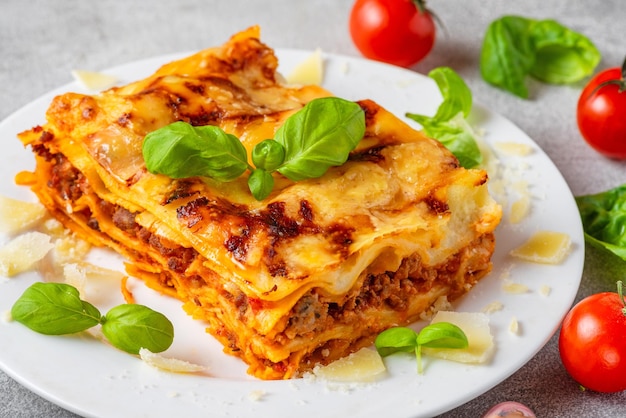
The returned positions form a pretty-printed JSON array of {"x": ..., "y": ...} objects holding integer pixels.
[
  {"x": 309, "y": 71},
  {"x": 475, "y": 325},
  {"x": 361, "y": 366},
  {"x": 22, "y": 252},
  {"x": 169, "y": 364},
  {"x": 93, "y": 80},
  {"x": 546, "y": 247},
  {"x": 17, "y": 215}
]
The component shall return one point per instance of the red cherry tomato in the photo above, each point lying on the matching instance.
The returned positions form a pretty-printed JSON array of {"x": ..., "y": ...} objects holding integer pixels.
[
  {"x": 601, "y": 112},
  {"x": 399, "y": 32},
  {"x": 592, "y": 342}
]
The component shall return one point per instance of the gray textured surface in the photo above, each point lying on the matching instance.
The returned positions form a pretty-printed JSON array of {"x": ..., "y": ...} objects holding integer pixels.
[{"x": 42, "y": 40}]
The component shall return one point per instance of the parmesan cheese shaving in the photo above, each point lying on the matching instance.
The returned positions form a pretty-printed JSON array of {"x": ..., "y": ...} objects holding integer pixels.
[
  {"x": 169, "y": 364},
  {"x": 17, "y": 215},
  {"x": 92, "y": 80},
  {"x": 362, "y": 366},
  {"x": 21, "y": 253},
  {"x": 476, "y": 328},
  {"x": 545, "y": 247},
  {"x": 309, "y": 71}
]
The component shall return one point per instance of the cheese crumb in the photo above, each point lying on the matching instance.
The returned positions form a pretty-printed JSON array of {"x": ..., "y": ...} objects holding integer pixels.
[
  {"x": 493, "y": 307},
  {"x": 6, "y": 317},
  {"x": 256, "y": 395},
  {"x": 547, "y": 247},
  {"x": 544, "y": 290},
  {"x": 514, "y": 326},
  {"x": 515, "y": 288},
  {"x": 513, "y": 148}
]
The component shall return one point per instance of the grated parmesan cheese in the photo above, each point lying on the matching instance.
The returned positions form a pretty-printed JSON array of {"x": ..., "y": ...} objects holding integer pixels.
[
  {"x": 493, "y": 307},
  {"x": 513, "y": 148},
  {"x": 514, "y": 326},
  {"x": 515, "y": 288}
]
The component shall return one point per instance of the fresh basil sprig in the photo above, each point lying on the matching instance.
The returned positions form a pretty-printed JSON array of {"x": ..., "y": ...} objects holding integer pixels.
[
  {"x": 449, "y": 125},
  {"x": 318, "y": 136},
  {"x": 403, "y": 339},
  {"x": 603, "y": 217},
  {"x": 57, "y": 309},
  {"x": 515, "y": 47}
]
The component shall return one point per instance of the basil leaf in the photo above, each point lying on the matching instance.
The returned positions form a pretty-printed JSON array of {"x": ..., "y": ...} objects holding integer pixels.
[
  {"x": 397, "y": 339},
  {"x": 561, "y": 55},
  {"x": 318, "y": 136},
  {"x": 131, "y": 327},
  {"x": 457, "y": 97},
  {"x": 507, "y": 54},
  {"x": 54, "y": 309},
  {"x": 449, "y": 126},
  {"x": 442, "y": 335},
  {"x": 268, "y": 155},
  {"x": 180, "y": 150},
  {"x": 515, "y": 47},
  {"x": 260, "y": 183},
  {"x": 603, "y": 217}
]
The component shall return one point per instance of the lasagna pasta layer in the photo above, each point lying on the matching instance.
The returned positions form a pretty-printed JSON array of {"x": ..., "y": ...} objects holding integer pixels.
[{"x": 303, "y": 277}]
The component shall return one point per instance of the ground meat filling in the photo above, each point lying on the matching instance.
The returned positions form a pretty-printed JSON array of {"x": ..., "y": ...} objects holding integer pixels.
[{"x": 312, "y": 313}]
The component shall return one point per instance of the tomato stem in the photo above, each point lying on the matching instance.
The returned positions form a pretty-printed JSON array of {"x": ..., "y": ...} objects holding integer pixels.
[
  {"x": 421, "y": 6},
  {"x": 620, "y": 293},
  {"x": 620, "y": 83}
]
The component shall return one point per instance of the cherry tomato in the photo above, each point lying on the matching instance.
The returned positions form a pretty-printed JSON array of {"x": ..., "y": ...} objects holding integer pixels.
[
  {"x": 399, "y": 32},
  {"x": 601, "y": 112},
  {"x": 592, "y": 342}
]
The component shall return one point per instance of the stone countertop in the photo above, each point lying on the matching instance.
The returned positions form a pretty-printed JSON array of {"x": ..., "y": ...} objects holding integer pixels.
[{"x": 41, "y": 41}]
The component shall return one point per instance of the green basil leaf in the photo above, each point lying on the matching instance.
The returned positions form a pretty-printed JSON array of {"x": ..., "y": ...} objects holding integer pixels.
[
  {"x": 268, "y": 155},
  {"x": 515, "y": 47},
  {"x": 318, "y": 136},
  {"x": 180, "y": 150},
  {"x": 260, "y": 183},
  {"x": 456, "y": 135},
  {"x": 561, "y": 55},
  {"x": 442, "y": 335},
  {"x": 396, "y": 339},
  {"x": 603, "y": 217},
  {"x": 457, "y": 97},
  {"x": 54, "y": 309},
  {"x": 131, "y": 327},
  {"x": 451, "y": 129},
  {"x": 507, "y": 54}
]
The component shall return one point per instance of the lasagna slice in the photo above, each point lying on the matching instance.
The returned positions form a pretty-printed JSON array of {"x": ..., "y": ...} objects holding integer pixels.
[{"x": 309, "y": 274}]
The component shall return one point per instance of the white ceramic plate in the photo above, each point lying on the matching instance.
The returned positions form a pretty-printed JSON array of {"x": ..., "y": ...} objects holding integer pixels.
[{"x": 94, "y": 379}]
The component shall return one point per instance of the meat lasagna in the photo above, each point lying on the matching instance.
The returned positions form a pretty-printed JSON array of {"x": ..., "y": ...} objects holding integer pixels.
[{"x": 309, "y": 274}]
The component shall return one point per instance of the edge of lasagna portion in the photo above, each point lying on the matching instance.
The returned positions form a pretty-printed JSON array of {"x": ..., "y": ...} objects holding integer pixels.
[{"x": 306, "y": 276}]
